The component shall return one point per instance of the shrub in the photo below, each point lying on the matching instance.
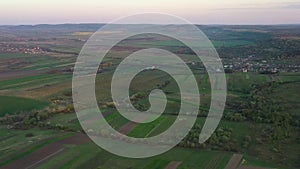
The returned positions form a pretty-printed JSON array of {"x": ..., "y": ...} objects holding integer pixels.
[{"x": 29, "y": 135}]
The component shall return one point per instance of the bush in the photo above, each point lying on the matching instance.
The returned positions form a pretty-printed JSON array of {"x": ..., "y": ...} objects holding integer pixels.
[{"x": 29, "y": 135}]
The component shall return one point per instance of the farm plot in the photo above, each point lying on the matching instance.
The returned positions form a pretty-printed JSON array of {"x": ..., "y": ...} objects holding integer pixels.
[
  {"x": 12, "y": 105},
  {"x": 15, "y": 141},
  {"x": 234, "y": 161},
  {"x": 35, "y": 158},
  {"x": 16, "y": 74},
  {"x": 32, "y": 82},
  {"x": 173, "y": 165},
  {"x": 142, "y": 130}
]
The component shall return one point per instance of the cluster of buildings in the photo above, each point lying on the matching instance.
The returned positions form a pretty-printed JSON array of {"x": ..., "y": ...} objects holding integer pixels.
[
  {"x": 251, "y": 64},
  {"x": 254, "y": 64},
  {"x": 11, "y": 48}
]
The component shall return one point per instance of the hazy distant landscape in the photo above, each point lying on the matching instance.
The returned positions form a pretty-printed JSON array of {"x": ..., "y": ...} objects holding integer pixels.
[{"x": 259, "y": 129}]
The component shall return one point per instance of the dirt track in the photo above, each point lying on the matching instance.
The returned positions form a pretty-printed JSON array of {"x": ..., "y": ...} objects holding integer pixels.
[
  {"x": 37, "y": 157},
  {"x": 128, "y": 127},
  {"x": 234, "y": 161},
  {"x": 173, "y": 165},
  {"x": 215, "y": 162}
]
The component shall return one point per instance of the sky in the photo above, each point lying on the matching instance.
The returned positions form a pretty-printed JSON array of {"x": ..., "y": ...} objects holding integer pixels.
[{"x": 16, "y": 12}]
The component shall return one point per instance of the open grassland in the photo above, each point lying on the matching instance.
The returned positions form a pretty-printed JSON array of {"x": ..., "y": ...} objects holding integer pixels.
[
  {"x": 13, "y": 55},
  {"x": 37, "y": 62},
  {"x": 32, "y": 82},
  {"x": 15, "y": 105},
  {"x": 142, "y": 130}
]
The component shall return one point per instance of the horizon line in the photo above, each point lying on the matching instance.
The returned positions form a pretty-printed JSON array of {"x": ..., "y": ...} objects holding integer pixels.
[{"x": 198, "y": 24}]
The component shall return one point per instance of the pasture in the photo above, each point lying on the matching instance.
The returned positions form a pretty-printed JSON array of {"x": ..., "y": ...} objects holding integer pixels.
[{"x": 15, "y": 105}]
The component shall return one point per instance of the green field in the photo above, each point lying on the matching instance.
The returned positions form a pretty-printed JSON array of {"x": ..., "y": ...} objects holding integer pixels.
[
  {"x": 76, "y": 157},
  {"x": 260, "y": 120},
  {"x": 14, "y": 55},
  {"x": 14, "y": 105},
  {"x": 13, "y": 141},
  {"x": 33, "y": 81}
]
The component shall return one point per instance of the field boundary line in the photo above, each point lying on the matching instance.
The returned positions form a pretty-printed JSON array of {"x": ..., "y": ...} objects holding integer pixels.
[{"x": 47, "y": 157}]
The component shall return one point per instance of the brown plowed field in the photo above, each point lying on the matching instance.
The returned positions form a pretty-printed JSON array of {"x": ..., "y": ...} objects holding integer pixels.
[
  {"x": 127, "y": 128},
  {"x": 35, "y": 158}
]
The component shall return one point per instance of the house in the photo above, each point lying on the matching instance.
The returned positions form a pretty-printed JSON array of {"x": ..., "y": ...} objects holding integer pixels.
[{"x": 245, "y": 70}]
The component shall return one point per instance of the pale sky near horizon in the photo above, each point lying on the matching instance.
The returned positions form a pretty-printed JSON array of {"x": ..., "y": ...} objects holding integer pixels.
[{"x": 14, "y": 12}]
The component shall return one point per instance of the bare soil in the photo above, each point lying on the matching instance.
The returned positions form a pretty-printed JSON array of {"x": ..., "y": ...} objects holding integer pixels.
[
  {"x": 173, "y": 165},
  {"x": 35, "y": 158}
]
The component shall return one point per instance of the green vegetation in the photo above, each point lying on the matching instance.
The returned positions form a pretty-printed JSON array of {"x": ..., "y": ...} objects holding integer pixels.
[
  {"x": 157, "y": 164},
  {"x": 34, "y": 149},
  {"x": 13, "y": 55},
  {"x": 260, "y": 121},
  {"x": 34, "y": 81},
  {"x": 14, "y": 143},
  {"x": 142, "y": 130},
  {"x": 8, "y": 105}
]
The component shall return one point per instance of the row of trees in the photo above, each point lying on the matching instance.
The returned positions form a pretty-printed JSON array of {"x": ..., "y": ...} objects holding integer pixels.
[{"x": 40, "y": 118}]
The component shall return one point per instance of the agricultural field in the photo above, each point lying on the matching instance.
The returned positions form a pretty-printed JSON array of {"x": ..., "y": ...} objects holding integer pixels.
[
  {"x": 40, "y": 129},
  {"x": 24, "y": 104}
]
